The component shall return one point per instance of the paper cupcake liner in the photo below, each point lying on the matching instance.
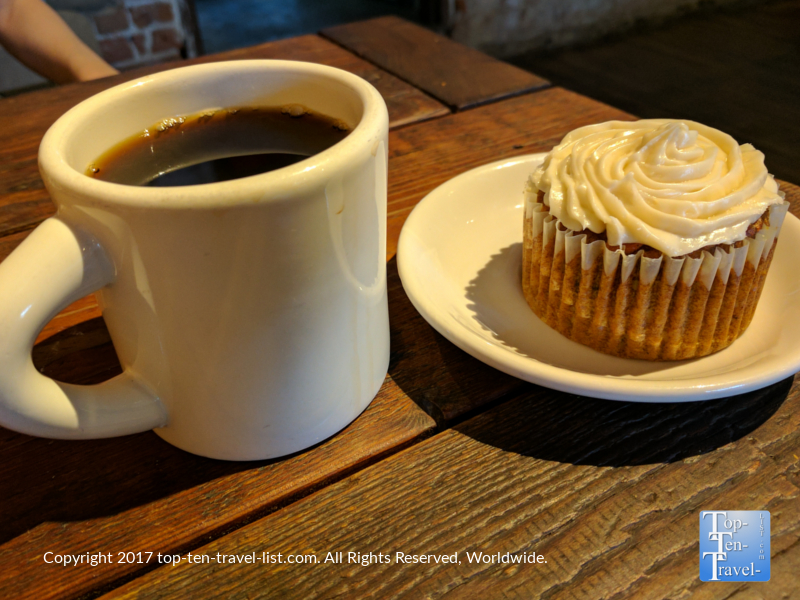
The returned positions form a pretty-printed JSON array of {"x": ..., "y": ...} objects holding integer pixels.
[{"x": 632, "y": 306}]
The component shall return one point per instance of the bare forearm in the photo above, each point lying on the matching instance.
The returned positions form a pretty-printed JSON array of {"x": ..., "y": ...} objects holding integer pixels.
[{"x": 35, "y": 34}]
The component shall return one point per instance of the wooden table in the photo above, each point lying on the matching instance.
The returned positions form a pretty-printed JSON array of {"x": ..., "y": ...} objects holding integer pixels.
[{"x": 452, "y": 456}]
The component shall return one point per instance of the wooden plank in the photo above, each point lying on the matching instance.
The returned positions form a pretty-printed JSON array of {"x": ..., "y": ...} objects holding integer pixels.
[
  {"x": 79, "y": 311},
  {"x": 446, "y": 407},
  {"x": 138, "y": 493},
  {"x": 201, "y": 497},
  {"x": 24, "y": 119},
  {"x": 608, "y": 492},
  {"x": 737, "y": 70},
  {"x": 422, "y": 157},
  {"x": 83, "y": 354},
  {"x": 459, "y": 76},
  {"x": 442, "y": 379},
  {"x": 9, "y": 242},
  {"x": 426, "y": 155},
  {"x": 174, "y": 502}
]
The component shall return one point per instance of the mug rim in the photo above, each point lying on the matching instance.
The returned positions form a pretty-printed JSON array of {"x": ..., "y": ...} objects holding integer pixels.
[{"x": 271, "y": 186}]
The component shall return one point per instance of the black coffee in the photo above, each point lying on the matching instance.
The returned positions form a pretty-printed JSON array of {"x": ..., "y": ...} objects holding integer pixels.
[{"x": 218, "y": 146}]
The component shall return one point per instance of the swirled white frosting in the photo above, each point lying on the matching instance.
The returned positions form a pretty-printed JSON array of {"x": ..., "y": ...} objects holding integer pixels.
[{"x": 674, "y": 185}]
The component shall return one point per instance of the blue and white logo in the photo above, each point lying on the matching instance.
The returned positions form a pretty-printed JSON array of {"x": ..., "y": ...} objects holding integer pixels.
[{"x": 734, "y": 545}]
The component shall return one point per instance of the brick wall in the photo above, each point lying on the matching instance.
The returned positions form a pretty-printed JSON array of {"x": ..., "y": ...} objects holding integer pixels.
[{"x": 142, "y": 32}]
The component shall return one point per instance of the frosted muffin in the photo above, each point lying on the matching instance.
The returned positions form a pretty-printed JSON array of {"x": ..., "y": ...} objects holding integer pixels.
[{"x": 650, "y": 239}]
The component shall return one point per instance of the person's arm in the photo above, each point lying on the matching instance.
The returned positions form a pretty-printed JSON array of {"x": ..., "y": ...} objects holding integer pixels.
[{"x": 34, "y": 33}]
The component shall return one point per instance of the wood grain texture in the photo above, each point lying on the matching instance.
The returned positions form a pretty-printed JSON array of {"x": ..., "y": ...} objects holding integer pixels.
[
  {"x": 422, "y": 157},
  {"x": 138, "y": 493},
  {"x": 141, "y": 494},
  {"x": 737, "y": 69},
  {"x": 78, "y": 312},
  {"x": 426, "y": 155},
  {"x": 439, "y": 377},
  {"x": 792, "y": 192},
  {"x": 459, "y": 76},
  {"x": 24, "y": 202},
  {"x": 442, "y": 379},
  {"x": 24, "y": 119},
  {"x": 608, "y": 492}
]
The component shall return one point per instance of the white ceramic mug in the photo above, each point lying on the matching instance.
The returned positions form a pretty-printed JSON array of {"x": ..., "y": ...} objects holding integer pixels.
[{"x": 250, "y": 316}]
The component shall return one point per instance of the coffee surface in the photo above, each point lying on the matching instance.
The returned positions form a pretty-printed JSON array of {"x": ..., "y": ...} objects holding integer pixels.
[{"x": 218, "y": 145}]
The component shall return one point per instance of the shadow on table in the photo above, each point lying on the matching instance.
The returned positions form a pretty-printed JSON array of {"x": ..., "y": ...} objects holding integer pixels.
[
  {"x": 81, "y": 480},
  {"x": 443, "y": 380},
  {"x": 65, "y": 481},
  {"x": 59, "y": 481},
  {"x": 561, "y": 427},
  {"x": 546, "y": 424},
  {"x": 68, "y": 481},
  {"x": 452, "y": 386}
]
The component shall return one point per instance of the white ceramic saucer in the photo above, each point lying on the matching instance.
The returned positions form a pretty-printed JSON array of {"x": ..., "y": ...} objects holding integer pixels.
[{"x": 460, "y": 256}]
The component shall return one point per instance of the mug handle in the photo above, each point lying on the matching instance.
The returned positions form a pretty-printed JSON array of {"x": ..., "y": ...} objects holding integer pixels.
[{"x": 52, "y": 268}]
